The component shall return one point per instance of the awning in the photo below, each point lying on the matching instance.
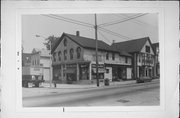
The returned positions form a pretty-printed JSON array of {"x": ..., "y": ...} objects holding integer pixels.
[{"x": 100, "y": 70}]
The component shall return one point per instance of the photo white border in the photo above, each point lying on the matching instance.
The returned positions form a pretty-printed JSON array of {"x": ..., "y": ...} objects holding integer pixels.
[{"x": 17, "y": 9}]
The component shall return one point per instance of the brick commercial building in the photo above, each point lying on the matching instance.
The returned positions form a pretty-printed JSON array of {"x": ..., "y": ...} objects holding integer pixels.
[{"x": 74, "y": 57}]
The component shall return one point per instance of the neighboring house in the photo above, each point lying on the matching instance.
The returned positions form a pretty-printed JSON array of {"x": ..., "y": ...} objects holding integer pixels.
[
  {"x": 157, "y": 66},
  {"x": 26, "y": 59},
  {"x": 143, "y": 56},
  {"x": 40, "y": 59},
  {"x": 74, "y": 57}
]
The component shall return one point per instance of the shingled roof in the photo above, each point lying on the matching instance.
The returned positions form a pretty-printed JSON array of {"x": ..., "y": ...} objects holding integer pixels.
[
  {"x": 132, "y": 45},
  {"x": 89, "y": 43}
]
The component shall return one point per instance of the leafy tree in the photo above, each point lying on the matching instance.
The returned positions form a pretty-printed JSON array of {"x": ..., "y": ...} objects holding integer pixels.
[{"x": 50, "y": 40}]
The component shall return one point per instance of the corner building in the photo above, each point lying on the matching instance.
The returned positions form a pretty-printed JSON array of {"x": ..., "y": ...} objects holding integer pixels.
[{"x": 74, "y": 57}]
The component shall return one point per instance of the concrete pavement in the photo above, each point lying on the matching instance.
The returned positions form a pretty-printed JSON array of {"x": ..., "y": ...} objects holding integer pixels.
[
  {"x": 68, "y": 88},
  {"x": 131, "y": 94}
]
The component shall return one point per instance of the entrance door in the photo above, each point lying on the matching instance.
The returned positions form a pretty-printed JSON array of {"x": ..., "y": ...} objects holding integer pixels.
[{"x": 46, "y": 74}]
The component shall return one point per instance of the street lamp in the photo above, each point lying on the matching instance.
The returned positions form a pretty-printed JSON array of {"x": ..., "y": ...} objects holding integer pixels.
[{"x": 50, "y": 82}]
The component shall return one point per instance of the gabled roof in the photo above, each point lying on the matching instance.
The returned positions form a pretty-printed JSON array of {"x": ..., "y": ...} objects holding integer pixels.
[
  {"x": 132, "y": 45},
  {"x": 88, "y": 43}
]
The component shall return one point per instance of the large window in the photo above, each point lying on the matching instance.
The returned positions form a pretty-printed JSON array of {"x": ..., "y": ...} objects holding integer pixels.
[
  {"x": 59, "y": 55},
  {"x": 78, "y": 50},
  {"x": 147, "y": 49},
  {"x": 126, "y": 60},
  {"x": 65, "y": 42},
  {"x": 107, "y": 56},
  {"x": 113, "y": 56},
  {"x": 65, "y": 54},
  {"x": 71, "y": 53}
]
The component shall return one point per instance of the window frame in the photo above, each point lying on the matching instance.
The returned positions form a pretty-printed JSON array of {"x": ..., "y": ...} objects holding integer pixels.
[{"x": 71, "y": 53}]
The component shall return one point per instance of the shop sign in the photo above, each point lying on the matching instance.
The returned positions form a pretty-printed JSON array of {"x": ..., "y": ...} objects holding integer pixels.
[
  {"x": 83, "y": 65},
  {"x": 71, "y": 66},
  {"x": 99, "y": 66}
]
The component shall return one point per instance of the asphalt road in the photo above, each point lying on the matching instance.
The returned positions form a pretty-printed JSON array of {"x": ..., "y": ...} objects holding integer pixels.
[{"x": 112, "y": 95}]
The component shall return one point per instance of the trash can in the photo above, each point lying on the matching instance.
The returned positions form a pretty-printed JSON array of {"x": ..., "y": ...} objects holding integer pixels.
[{"x": 106, "y": 82}]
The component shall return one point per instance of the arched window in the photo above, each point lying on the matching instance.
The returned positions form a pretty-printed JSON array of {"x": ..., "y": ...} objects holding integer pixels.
[
  {"x": 65, "y": 42},
  {"x": 65, "y": 54},
  {"x": 71, "y": 53},
  {"x": 59, "y": 55},
  {"x": 78, "y": 50},
  {"x": 54, "y": 56}
]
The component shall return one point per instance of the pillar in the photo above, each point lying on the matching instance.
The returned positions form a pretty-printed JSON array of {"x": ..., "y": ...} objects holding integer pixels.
[
  {"x": 137, "y": 72},
  {"x": 77, "y": 74},
  {"x": 90, "y": 72},
  {"x": 62, "y": 77},
  {"x": 135, "y": 66}
]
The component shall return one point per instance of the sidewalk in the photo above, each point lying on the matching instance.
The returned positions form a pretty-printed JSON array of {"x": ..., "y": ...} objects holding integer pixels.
[
  {"x": 45, "y": 88},
  {"x": 87, "y": 86}
]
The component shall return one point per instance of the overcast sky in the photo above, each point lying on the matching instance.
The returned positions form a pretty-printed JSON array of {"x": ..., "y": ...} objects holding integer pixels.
[{"x": 132, "y": 27}]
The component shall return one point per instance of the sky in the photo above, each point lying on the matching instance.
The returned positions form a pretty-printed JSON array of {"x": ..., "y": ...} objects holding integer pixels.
[{"x": 117, "y": 27}]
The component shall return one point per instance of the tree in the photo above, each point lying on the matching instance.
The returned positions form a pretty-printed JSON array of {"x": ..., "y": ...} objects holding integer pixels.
[{"x": 50, "y": 40}]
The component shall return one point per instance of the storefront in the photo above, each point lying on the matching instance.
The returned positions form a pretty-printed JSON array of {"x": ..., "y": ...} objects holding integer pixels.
[
  {"x": 84, "y": 71},
  {"x": 145, "y": 71},
  {"x": 119, "y": 73},
  {"x": 101, "y": 71},
  {"x": 71, "y": 72},
  {"x": 57, "y": 76}
]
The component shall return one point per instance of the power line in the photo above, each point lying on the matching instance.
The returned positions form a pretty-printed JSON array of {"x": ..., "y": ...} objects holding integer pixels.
[
  {"x": 136, "y": 21},
  {"x": 114, "y": 33},
  {"x": 73, "y": 20},
  {"x": 121, "y": 21},
  {"x": 104, "y": 37},
  {"x": 67, "y": 21}
]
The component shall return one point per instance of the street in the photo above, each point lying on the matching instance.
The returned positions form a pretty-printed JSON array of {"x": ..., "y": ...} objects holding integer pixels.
[{"x": 143, "y": 94}]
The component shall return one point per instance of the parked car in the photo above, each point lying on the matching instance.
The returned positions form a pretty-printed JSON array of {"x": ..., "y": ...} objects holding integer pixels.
[{"x": 143, "y": 79}]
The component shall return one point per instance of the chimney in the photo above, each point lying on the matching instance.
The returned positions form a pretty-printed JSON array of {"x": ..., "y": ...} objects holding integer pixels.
[
  {"x": 113, "y": 42},
  {"x": 77, "y": 33}
]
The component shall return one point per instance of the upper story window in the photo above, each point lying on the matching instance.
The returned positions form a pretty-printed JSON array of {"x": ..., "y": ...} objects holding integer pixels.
[
  {"x": 65, "y": 42},
  {"x": 148, "y": 49},
  {"x": 113, "y": 56},
  {"x": 71, "y": 53},
  {"x": 54, "y": 56},
  {"x": 65, "y": 54},
  {"x": 38, "y": 62},
  {"x": 107, "y": 56},
  {"x": 59, "y": 55},
  {"x": 126, "y": 60},
  {"x": 78, "y": 50}
]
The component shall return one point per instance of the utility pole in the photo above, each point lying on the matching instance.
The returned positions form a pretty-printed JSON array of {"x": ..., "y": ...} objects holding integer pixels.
[{"x": 96, "y": 38}]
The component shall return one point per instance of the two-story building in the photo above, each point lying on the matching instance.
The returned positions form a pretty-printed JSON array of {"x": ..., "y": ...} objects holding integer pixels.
[
  {"x": 40, "y": 61},
  {"x": 74, "y": 57},
  {"x": 143, "y": 56}
]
